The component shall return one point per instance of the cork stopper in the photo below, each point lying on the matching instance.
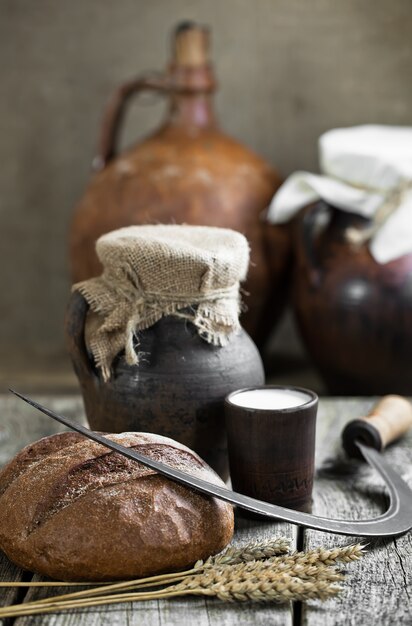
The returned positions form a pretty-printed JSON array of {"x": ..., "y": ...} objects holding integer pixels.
[{"x": 191, "y": 45}]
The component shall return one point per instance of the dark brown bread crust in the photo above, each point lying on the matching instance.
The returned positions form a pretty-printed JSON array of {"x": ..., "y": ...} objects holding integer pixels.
[
  {"x": 33, "y": 453},
  {"x": 72, "y": 510}
]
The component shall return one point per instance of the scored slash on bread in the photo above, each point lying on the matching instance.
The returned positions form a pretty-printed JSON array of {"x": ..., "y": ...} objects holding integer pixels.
[{"x": 72, "y": 510}]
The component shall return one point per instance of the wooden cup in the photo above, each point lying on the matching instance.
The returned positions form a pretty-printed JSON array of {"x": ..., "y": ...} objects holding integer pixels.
[{"x": 272, "y": 450}]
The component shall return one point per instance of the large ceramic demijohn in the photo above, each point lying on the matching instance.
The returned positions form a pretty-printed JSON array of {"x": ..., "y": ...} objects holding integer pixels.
[{"x": 187, "y": 171}]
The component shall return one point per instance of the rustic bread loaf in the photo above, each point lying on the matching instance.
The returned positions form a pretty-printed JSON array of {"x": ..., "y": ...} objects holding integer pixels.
[{"x": 73, "y": 510}]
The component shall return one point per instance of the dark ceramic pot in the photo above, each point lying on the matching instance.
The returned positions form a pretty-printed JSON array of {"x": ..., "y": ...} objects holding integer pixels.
[
  {"x": 177, "y": 389},
  {"x": 354, "y": 314}
]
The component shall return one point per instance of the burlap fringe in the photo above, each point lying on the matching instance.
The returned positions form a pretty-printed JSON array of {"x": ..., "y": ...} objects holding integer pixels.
[{"x": 214, "y": 328}]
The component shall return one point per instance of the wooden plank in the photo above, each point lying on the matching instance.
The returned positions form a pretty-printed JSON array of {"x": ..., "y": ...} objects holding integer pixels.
[
  {"x": 378, "y": 588},
  {"x": 9, "y": 573},
  {"x": 19, "y": 425}
]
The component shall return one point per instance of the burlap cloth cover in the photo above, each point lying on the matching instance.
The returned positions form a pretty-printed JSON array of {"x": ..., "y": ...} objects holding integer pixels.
[{"x": 153, "y": 271}]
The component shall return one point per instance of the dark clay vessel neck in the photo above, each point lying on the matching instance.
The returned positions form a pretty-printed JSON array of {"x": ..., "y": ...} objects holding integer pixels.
[
  {"x": 191, "y": 110},
  {"x": 341, "y": 220},
  {"x": 191, "y": 96},
  {"x": 191, "y": 78}
]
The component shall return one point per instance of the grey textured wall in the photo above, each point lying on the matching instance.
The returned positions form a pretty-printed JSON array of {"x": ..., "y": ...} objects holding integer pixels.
[{"x": 288, "y": 69}]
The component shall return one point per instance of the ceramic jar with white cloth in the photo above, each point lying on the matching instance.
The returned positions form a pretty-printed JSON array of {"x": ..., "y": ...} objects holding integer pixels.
[{"x": 352, "y": 287}]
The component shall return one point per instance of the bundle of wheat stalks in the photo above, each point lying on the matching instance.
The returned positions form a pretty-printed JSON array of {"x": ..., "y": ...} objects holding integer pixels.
[{"x": 258, "y": 572}]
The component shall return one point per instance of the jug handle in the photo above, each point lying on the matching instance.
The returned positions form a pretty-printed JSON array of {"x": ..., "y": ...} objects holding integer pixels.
[
  {"x": 114, "y": 112},
  {"x": 309, "y": 223},
  {"x": 74, "y": 328}
]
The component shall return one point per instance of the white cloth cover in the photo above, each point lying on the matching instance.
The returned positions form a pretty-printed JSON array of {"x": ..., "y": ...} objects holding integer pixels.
[{"x": 364, "y": 170}]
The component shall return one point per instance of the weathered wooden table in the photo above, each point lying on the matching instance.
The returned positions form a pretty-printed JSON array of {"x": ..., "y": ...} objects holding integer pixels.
[{"x": 377, "y": 589}]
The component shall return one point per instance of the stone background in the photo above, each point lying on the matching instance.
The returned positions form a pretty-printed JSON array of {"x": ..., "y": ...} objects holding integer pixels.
[{"x": 288, "y": 70}]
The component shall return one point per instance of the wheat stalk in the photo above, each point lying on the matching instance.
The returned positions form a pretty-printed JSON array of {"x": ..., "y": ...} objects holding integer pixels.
[
  {"x": 262, "y": 587},
  {"x": 151, "y": 581},
  {"x": 345, "y": 554},
  {"x": 254, "y": 551},
  {"x": 226, "y": 584},
  {"x": 282, "y": 566}
]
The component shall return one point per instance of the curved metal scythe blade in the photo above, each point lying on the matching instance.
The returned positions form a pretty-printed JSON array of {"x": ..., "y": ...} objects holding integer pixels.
[{"x": 396, "y": 520}]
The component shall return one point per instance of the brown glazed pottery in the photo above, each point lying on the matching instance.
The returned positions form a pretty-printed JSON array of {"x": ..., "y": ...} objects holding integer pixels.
[
  {"x": 187, "y": 171},
  {"x": 272, "y": 451},
  {"x": 177, "y": 389},
  {"x": 354, "y": 314}
]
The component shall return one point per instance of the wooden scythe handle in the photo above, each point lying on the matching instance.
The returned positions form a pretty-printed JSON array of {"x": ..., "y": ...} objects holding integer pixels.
[{"x": 389, "y": 419}]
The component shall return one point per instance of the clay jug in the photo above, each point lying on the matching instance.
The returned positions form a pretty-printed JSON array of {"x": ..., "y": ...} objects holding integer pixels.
[
  {"x": 187, "y": 171},
  {"x": 354, "y": 314},
  {"x": 177, "y": 391}
]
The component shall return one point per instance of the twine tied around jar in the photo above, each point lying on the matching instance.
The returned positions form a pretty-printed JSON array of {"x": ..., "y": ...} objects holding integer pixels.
[
  {"x": 393, "y": 198},
  {"x": 191, "y": 272}
]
